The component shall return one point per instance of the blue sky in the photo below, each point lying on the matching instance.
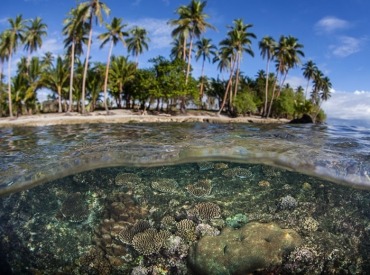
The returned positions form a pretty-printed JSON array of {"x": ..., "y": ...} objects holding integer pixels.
[{"x": 335, "y": 35}]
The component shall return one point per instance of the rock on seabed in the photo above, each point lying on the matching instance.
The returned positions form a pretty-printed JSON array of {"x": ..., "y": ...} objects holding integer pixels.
[{"x": 253, "y": 247}]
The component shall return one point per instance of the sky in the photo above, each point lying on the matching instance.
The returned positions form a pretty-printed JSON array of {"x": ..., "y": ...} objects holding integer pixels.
[{"x": 335, "y": 35}]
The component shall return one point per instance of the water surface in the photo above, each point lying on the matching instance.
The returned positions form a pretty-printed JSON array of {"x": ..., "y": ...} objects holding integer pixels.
[
  {"x": 144, "y": 198},
  {"x": 33, "y": 155}
]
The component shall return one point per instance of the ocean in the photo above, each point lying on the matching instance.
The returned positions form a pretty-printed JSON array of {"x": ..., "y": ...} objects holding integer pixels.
[{"x": 185, "y": 198}]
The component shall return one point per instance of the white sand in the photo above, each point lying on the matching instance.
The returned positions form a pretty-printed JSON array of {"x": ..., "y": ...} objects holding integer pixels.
[{"x": 125, "y": 116}]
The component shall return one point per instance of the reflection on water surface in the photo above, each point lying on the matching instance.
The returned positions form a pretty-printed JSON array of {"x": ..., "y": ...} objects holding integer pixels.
[{"x": 34, "y": 155}]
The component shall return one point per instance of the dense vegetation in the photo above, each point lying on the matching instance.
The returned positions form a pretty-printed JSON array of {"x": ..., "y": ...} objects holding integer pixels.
[{"x": 79, "y": 84}]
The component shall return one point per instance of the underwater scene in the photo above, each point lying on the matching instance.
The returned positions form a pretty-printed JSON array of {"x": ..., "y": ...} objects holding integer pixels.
[
  {"x": 184, "y": 199},
  {"x": 196, "y": 218}
]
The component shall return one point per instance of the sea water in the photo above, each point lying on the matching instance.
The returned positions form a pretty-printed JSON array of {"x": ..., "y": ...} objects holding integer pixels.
[{"x": 188, "y": 198}]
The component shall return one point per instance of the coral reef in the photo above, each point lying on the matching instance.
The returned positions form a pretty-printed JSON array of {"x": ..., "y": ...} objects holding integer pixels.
[
  {"x": 127, "y": 179},
  {"x": 144, "y": 242},
  {"x": 186, "y": 230},
  {"x": 94, "y": 262},
  {"x": 165, "y": 185},
  {"x": 205, "y": 165},
  {"x": 254, "y": 247},
  {"x": 287, "y": 203},
  {"x": 237, "y": 172},
  {"x": 169, "y": 223},
  {"x": 202, "y": 188},
  {"x": 139, "y": 220},
  {"x": 204, "y": 229},
  {"x": 207, "y": 210},
  {"x": 74, "y": 208},
  {"x": 237, "y": 221}
]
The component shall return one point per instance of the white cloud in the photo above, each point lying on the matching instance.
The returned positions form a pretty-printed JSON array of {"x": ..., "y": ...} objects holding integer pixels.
[
  {"x": 330, "y": 24},
  {"x": 346, "y": 46},
  {"x": 348, "y": 105},
  {"x": 52, "y": 45},
  {"x": 159, "y": 31},
  {"x": 296, "y": 81},
  {"x": 4, "y": 21}
]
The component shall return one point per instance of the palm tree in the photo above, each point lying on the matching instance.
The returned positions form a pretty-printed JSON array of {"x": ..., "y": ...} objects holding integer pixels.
[
  {"x": 121, "y": 72},
  {"x": 178, "y": 50},
  {"x": 3, "y": 54},
  {"x": 182, "y": 30},
  {"x": 75, "y": 31},
  {"x": 137, "y": 42},
  {"x": 95, "y": 84},
  {"x": 287, "y": 55},
  {"x": 56, "y": 77},
  {"x": 47, "y": 60},
  {"x": 88, "y": 11},
  {"x": 114, "y": 35},
  {"x": 33, "y": 73},
  {"x": 267, "y": 46},
  {"x": 226, "y": 59},
  {"x": 322, "y": 87},
  {"x": 309, "y": 70},
  {"x": 205, "y": 49},
  {"x": 12, "y": 37},
  {"x": 192, "y": 23},
  {"x": 240, "y": 42},
  {"x": 33, "y": 36}
]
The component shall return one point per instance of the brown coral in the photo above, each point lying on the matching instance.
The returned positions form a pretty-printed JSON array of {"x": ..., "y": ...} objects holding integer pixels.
[
  {"x": 150, "y": 241},
  {"x": 186, "y": 229},
  {"x": 128, "y": 232},
  {"x": 143, "y": 242},
  {"x": 237, "y": 172},
  {"x": 205, "y": 165},
  {"x": 168, "y": 222},
  {"x": 207, "y": 211},
  {"x": 200, "y": 189},
  {"x": 165, "y": 185},
  {"x": 126, "y": 235},
  {"x": 128, "y": 179}
]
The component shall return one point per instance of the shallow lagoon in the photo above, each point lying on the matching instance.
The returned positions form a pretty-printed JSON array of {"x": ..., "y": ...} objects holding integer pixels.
[{"x": 179, "y": 184}]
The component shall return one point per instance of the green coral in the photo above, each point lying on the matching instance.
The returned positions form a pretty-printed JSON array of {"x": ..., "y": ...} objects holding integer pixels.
[{"x": 237, "y": 221}]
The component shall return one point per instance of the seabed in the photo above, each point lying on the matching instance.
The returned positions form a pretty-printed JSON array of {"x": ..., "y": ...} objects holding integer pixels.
[{"x": 195, "y": 218}]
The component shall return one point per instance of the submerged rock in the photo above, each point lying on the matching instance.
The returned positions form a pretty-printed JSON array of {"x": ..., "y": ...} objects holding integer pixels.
[
  {"x": 256, "y": 246},
  {"x": 74, "y": 208}
]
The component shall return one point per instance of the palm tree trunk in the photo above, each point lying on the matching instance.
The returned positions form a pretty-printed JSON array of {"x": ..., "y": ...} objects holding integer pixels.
[
  {"x": 60, "y": 99},
  {"x": 83, "y": 111},
  {"x": 201, "y": 84},
  {"x": 184, "y": 50},
  {"x": 228, "y": 87},
  {"x": 71, "y": 78},
  {"x": 267, "y": 88},
  {"x": 305, "y": 94},
  {"x": 189, "y": 59},
  {"x": 282, "y": 84},
  {"x": 272, "y": 97},
  {"x": 10, "y": 86},
  {"x": 120, "y": 96},
  {"x": 237, "y": 75},
  {"x": 106, "y": 78}
]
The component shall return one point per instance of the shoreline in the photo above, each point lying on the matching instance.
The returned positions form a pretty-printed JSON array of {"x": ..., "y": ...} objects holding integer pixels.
[{"x": 128, "y": 116}]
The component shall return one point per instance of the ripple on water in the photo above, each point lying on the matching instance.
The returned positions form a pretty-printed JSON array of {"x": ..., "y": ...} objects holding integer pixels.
[{"x": 34, "y": 155}]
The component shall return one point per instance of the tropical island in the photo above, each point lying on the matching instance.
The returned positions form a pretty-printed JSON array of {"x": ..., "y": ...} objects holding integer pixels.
[{"x": 82, "y": 87}]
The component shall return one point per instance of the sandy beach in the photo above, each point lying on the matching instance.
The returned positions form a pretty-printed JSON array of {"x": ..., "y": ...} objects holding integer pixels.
[{"x": 128, "y": 116}]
